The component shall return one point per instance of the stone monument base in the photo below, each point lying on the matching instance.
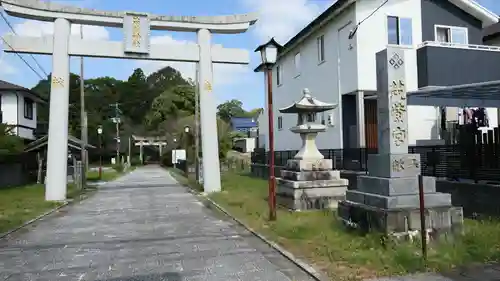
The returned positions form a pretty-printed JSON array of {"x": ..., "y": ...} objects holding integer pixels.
[
  {"x": 298, "y": 194},
  {"x": 439, "y": 219},
  {"x": 392, "y": 205}
]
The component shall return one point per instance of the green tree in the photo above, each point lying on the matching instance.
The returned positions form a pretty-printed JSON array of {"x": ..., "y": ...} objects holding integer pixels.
[
  {"x": 174, "y": 103},
  {"x": 136, "y": 96},
  {"x": 230, "y": 109},
  {"x": 9, "y": 143}
]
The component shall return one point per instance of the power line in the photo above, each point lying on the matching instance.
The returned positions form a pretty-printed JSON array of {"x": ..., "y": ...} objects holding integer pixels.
[
  {"x": 15, "y": 52},
  {"x": 14, "y": 31}
]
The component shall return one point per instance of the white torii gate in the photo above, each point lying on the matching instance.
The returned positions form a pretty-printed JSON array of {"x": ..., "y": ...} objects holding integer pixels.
[{"x": 135, "y": 45}]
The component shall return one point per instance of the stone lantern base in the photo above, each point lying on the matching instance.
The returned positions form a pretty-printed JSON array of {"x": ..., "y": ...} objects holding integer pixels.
[{"x": 310, "y": 184}]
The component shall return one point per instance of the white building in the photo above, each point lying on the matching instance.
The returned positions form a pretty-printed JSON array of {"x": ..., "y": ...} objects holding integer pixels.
[
  {"x": 335, "y": 58},
  {"x": 18, "y": 107}
]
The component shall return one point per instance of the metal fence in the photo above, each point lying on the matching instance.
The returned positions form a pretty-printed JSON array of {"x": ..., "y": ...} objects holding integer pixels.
[{"x": 478, "y": 162}]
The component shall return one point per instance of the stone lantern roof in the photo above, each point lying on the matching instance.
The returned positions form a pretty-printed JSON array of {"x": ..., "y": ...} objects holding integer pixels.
[{"x": 308, "y": 104}]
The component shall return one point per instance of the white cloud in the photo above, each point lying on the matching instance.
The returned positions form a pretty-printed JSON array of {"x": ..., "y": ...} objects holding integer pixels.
[
  {"x": 39, "y": 29},
  {"x": 282, "y": 19},
  {"x": 224, "y": 74}
]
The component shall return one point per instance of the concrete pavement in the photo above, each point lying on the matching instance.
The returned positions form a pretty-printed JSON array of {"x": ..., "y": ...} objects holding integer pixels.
[{"x": 143, "y": 226}]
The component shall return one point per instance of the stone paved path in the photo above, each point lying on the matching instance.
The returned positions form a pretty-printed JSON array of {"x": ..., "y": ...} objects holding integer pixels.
[{"x": 144, "y": 226}]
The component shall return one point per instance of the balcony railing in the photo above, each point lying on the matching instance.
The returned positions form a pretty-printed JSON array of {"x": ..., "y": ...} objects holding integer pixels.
[{"x": 447, "y": 64}]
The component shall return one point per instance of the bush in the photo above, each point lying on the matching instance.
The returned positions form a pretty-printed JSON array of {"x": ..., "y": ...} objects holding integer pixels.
[
  {"x": 118, "y": 167},
  {"x": 166, "y": 159},
  {"x": 136, "y": 161}
]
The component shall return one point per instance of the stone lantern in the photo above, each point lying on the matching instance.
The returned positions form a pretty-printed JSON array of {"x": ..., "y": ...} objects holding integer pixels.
[
  {"x": 308, "y": 181},
  {"x": 307, "y": 109}
]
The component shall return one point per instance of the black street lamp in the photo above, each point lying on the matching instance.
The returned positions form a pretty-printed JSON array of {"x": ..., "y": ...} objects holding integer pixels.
[{"x": 269, "y": 54}]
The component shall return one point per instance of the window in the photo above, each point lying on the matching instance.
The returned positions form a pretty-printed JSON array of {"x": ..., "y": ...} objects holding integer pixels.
[
  {"x": 321, "y": 48},
  {"x": 28, "y": 108},
  {"x": 399, "y": 31},
  {"x": 451, "y": 34},
  {"x": 297, "y": 64},
  {"x": 279, "y": 78},
  {"x": 280, "y": 123}
]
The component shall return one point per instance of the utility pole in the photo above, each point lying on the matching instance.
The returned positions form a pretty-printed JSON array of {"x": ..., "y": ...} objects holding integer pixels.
[
  {"x": 197, "y": 127},
  {"x": 83, "y": 118},
  {"x": 129, "y": 151},
  {"x": 117, "y": 141},
  {"x": 116, "y": 120}
]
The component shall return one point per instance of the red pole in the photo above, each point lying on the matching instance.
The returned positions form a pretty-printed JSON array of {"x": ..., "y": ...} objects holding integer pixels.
[{"x": 272, "y": 181}]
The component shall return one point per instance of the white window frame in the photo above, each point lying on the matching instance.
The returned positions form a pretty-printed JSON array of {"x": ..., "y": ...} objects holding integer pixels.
[
  {"x": 279, "y": 75},
  {"x": 320, "y": 44},
  {"x": 387, "y": 16},
  {"x": 297, "y": 65},
  {"x": 436, "y": 26},
  {"x": 280, "y": 123}
]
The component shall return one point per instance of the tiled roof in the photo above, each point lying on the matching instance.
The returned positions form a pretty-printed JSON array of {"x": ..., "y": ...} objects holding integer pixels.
[{"x": 6, "y": 86}]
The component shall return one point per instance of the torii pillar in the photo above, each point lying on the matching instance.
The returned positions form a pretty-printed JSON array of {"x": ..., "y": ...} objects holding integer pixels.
[
  {"x": 57, "y": 153},
  {"x": 208, "y": 117}
]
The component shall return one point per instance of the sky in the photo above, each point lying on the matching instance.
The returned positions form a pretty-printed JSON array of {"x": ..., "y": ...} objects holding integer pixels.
[{"x": 277, "y": 18}]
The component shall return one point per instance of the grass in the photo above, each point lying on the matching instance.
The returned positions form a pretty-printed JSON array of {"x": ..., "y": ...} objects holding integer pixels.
[
  {"x": 319, "y": 237},
  {"x": 107, "y": 174},
  {"x": 21, "y": 204}
]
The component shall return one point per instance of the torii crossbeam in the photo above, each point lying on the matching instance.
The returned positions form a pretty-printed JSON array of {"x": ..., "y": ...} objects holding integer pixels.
[{"x": 135, "y": 45}]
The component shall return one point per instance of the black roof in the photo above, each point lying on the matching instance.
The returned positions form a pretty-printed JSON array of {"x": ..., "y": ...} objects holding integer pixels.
[
  {"x": 6, "y": 86},
  {"x": 491, "y": 32},
  {"x": 73, "y": 143}
]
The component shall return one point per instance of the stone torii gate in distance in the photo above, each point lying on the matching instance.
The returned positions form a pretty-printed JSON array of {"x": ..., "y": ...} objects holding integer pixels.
[
  {"x": 135, "y": 45},
  {"x": 149, "y": 141}
]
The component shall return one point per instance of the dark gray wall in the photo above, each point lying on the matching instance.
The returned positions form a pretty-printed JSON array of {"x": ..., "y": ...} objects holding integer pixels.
[
  {"x": 440, "y": 66},
  {"x": 13, "y": 175},
  {"x": 444, "y": 13},
  {"x": 348, "y": 117}
]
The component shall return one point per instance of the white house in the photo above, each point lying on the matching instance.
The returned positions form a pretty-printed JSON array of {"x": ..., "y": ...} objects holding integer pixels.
[
  {"x": 18, "y": 107},
  {"x": 334, "y": 57}
]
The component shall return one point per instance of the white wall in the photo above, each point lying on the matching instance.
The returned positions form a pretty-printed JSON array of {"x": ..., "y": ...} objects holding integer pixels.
[
  {"x": 246, "y": 145},
  {"x": 320, "y": 78},
  {"x": 24, "y": 132},
  {"x": 263, "y": 126},
  {"x": 263, "y": 121},
  {"x": 13, "y": 114},
  {"x": 9, "y": 108},
  {"x": 372, "y": 38}
]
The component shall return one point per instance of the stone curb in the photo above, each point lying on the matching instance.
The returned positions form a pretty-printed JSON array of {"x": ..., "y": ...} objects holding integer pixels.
[
  {"x": 3, "y": 235},
  {"x": 301, "y": 264}
]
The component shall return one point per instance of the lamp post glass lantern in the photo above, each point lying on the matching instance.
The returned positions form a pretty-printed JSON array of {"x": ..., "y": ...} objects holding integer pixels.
[
  {"x": 269, "y": 55},
  {"x": 99, "y": 133}
]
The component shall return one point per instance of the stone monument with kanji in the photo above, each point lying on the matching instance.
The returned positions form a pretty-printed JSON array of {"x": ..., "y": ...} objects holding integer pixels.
[
  {"x": 309, "y": 181},
  {"x": 387, "y": 198}
]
